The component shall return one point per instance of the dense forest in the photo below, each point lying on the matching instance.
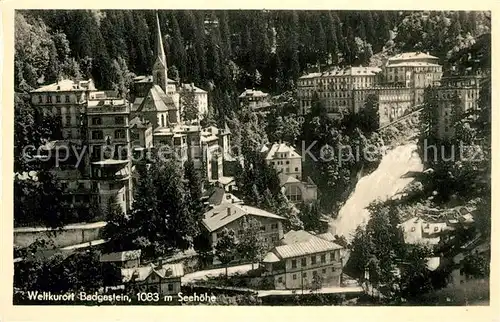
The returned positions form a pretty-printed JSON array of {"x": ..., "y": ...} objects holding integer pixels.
[{"x": 225, "y": 51}]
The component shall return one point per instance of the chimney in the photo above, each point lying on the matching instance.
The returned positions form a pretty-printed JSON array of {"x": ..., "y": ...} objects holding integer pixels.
[{"x": 228, "y": 211}]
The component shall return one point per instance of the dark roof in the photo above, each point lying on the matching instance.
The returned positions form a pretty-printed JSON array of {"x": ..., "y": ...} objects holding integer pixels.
[
  {"x": 216, "y": 196},
  {"x": 157, "y": 100},
  {"x": 138, "y": 123}
]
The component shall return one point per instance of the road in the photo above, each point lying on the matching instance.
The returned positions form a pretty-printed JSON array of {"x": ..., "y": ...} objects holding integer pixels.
[
  {"x": 384, "y": 183},
  {"x": 324, "y": 290}
]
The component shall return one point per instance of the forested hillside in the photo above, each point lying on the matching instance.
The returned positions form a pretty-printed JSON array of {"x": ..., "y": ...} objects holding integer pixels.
[{"x": 225, "y": 51}]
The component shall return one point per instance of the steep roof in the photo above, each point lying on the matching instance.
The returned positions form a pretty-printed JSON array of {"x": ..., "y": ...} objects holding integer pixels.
[
  {"x": 218, "y": 217},
  {"x": 285, "y": 179},
  {"x": 157, "y": 100},
  {"x": 160, "y": 51},
  {"x": 281, "y": 148}
]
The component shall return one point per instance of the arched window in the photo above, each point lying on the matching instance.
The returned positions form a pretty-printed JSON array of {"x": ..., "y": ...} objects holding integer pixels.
[{"x": 162, "y": 120}]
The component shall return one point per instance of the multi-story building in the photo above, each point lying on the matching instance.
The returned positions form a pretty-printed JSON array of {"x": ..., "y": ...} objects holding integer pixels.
[
  {"x": 255, "y": 99},
  {"x": 455, "y": 94},
  {"x": 204, "y": 146},
  {"x": 200, "y": 98},
  {"x": 284, "y": 159},
  {"x": 100, "y": 130},
  {"x": 108, "y": 126},
  {"x": 288, "y": 163},
  {"x": 302, "y": 256},
  {"x": 232, "y": 215},
  {"x": 398, "y": 86},
  {"x": 334, "y": 88}
]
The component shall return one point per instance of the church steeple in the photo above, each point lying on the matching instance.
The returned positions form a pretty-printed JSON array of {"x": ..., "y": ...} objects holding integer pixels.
[{"x": 160, "y": 65}]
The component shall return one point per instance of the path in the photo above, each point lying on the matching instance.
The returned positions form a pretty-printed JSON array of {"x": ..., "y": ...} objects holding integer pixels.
[
  {"x": 384, "y": 183},
  {"x": 324, "y": 290}
]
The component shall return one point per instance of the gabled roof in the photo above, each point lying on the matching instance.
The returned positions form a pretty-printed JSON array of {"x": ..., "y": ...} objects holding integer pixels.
[
  {"x": 304, "y": 246},
  {"x": 282, "y": 148},
  {"x": 224, "y": 214},
  {"x": 142, "y": 273},
  {"x": 157, "y": 100},
  {"x": 286, "y": 179}
]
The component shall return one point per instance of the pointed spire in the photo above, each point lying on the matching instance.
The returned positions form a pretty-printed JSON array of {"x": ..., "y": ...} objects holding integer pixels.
[{"x": 160, "y": 51}]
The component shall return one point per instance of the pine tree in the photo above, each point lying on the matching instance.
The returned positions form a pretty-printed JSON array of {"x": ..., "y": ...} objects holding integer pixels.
[
  {"x": 225, "y": 248},
  {"x": 251, "y": 245}
]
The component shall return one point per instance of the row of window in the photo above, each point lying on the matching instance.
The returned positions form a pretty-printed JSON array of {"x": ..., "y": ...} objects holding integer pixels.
[
  {"x": 303, "y": 261},
  {"x": 119, "y": 120},
  {"x": 263, "y": 228},
  {"x": 98, "y": 135},
  {"x": 48, "y": 99},
  {"x": 304, "y": 274}
]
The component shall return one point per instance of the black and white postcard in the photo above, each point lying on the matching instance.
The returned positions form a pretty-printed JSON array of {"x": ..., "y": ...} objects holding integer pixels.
[{"x": 223, "y": 157}]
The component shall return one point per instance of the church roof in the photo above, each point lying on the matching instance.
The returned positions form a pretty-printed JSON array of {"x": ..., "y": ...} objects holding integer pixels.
[
  {"x": 157, "y": 100},
  {"x": 160, "y": 51}
]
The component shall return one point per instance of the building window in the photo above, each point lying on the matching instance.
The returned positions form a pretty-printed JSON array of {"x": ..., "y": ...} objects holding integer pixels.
[
  {"x": 294, "y": 277},
  {"x": 332, "y": 257},
  {"x": 303, "y": 262},
  {"x": 274, "y": 226},
  {"x": 49, "y": 99},
  {"x": 68, "y": 120},
  {"x": 304, "y": 275},
  {"x": 296, "y": 169},
  {"x": 119, "y": 134},
  {"x": 280, "y": 279},
  {"x": 323, "y": 271},
  {"x": 96, "y": 121},
  {"x": 97, "y": 135},
  {"x": 40, "y": 99},
  {"x": 313, "y": 260},
  {"x": 119, "y": 120},
  {"x": 287, "y": 162},
  {"x": 58, "y": 99},
  {"x": 170, "y": 287},
  {"x": 323, "y": 258},
  {"x": 294, "y": 263},
  {"x": 315, "y": 273},
  {"x": 262, "y": 228},
  {"x": 66, "y": 99}
]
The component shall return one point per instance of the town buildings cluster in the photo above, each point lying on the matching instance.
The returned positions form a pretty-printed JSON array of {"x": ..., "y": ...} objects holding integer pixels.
[
  {"x": 112, "y": 131},
  {"x": 397, "y": 86}
]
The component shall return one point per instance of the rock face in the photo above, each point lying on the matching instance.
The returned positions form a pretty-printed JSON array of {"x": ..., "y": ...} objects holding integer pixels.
[{"x": 384, "y": 183}]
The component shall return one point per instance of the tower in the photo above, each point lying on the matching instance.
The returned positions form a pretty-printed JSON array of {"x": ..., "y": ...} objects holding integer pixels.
[{"x": 160, "y": 65}]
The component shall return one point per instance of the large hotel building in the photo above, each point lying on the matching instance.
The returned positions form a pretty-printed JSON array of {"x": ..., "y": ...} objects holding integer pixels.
[{"x": 398, "y": 86}]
